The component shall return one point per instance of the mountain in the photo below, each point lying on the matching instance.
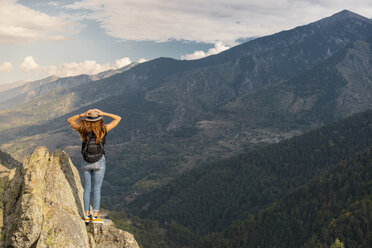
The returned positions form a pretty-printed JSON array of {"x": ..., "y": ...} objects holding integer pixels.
[
  {"x": 48, "y": 96},
  {"x": 334, "y": 89},
  {"x": 337, "y": 204},
  {"x": 303, "y": 192},
  {"x": 8, "y": 86},
  {"x": 182, "y": 114},
  {"x": 28, "y": 91},
  {"x": 109, "y": 73},
  {"x": 211, "y": 197},
  {"x": 43, "y": 207},
  {"x": 24, "y": 92},
  {"x": 278, "y": 57},
  {"x": 7, "y": 161}
]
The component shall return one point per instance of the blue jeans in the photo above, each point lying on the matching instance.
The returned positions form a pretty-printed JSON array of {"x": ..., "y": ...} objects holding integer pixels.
[{"x": 93, "y": 172}]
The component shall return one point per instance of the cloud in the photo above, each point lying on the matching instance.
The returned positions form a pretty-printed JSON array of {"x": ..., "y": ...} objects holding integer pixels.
[
  {"x": 90, "y": 67},
  {"x": 209, "y": 20},
  {"x": 55, "y": 4},
  {"x": 6, "y": 66},
  {"x": 218, "y": 47},
  {"x": 19, "y": 25},
  {"x": 122, "y": 62},
  {"x": 30, "y": 65}
]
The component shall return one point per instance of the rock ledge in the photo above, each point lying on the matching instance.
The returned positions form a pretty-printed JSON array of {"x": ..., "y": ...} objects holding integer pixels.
[{"x": 43, "y": 207}]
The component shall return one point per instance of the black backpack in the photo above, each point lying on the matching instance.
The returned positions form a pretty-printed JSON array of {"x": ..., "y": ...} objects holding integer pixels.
[{"x": 91, "y": 151}]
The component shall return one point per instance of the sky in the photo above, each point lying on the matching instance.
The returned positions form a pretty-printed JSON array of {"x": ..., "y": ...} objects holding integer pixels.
[{"x": 40, "y": 38}]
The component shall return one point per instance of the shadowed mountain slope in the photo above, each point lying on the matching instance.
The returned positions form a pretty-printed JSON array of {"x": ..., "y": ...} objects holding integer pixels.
[
  {"x": 211, "y": 197},
  {"x": 337, "y": 204},
  {"x": 7, "y": 161}
]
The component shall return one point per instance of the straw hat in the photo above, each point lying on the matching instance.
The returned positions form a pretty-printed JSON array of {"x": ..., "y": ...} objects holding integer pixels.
[{"x": 92, "y": 115}]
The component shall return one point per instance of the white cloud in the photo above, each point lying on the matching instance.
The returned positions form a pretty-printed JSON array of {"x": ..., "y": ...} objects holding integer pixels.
[
  {"x": 208, "y": 20},
  {"x": 55, "y": 4},
  {"x": 19, "y": 24},
  {"x": 6, "y": 66},
  {"x": 142, "y": 60},
  {"x": 90, "y": 67},
  {"x": 218, "y": 47},
  {"x": 122, "y": 62},
  {"x": 30, "y": 65}
]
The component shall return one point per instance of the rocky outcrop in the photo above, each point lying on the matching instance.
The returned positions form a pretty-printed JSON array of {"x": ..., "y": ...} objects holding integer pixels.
[
  {"x": 43, "y": 207},
  {"x": 106, "y": 236}
]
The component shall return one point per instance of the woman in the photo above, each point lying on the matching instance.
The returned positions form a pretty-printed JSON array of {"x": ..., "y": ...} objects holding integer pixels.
[{"x": 92, "y": 127}]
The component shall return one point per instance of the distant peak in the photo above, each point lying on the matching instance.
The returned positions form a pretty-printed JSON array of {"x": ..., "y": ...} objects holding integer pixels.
[
  {"x": 348, "y": 13},
  {"x": 343, "y": 15},
  {"x": 345, "y": 12}
]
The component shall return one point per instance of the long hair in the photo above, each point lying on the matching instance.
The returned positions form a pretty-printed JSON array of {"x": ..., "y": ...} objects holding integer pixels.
[{"x": 97, "y": 127}]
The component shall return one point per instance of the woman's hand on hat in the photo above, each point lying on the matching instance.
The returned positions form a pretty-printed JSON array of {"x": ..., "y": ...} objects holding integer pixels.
[
  {"x": 83, "y": 114},
  {"x": 99, "y": 112}
]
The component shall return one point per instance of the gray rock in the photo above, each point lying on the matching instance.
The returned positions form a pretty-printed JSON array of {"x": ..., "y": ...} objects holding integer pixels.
[
  {"x": 43, "y": 207},
  {"x": 107, "y": 236}
]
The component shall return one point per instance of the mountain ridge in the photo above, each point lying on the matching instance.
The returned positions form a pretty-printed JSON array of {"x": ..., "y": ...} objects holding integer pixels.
[
  {"x": 181, "y": 114},
  {"x": 29, "y": 90}
]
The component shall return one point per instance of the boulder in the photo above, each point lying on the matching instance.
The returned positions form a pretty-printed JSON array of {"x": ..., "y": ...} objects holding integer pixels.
[
  {"x": 107, "y": 236},
  {"x": 43, "y": 207}
]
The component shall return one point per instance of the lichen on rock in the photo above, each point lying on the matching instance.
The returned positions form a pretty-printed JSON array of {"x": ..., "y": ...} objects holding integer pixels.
[{"x": 43, "y": 207}]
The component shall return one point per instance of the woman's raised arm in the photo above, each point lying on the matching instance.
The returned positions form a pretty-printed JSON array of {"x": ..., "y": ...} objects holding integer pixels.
[
  {"x": 73, "y": 123},
  {"x": 113, "y": 123}
]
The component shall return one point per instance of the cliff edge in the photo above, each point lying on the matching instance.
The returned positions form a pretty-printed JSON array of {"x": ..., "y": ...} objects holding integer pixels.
[{"x": 43, "y": 207}]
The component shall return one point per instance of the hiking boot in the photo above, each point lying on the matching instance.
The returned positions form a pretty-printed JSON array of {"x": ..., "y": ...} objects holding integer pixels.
[
  {"x": 88, "y": 218},
  {"x": 97, "y": 219}
]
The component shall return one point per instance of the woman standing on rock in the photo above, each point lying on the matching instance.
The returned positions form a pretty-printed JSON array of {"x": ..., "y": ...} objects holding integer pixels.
[{"x": 93, "y": 131}]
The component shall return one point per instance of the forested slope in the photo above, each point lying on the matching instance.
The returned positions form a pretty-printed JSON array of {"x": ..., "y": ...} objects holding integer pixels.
[
  {"x": 212, "y": 197},
  {"x": 337, "y": 204}
]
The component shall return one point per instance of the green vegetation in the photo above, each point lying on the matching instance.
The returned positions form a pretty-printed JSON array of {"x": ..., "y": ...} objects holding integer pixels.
[
  {"x": 211, "y": 197},
  {"x": 338, "y": 203},
  {"x": 302, "y": 192},
  {"x": 148, "y": 233}
]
